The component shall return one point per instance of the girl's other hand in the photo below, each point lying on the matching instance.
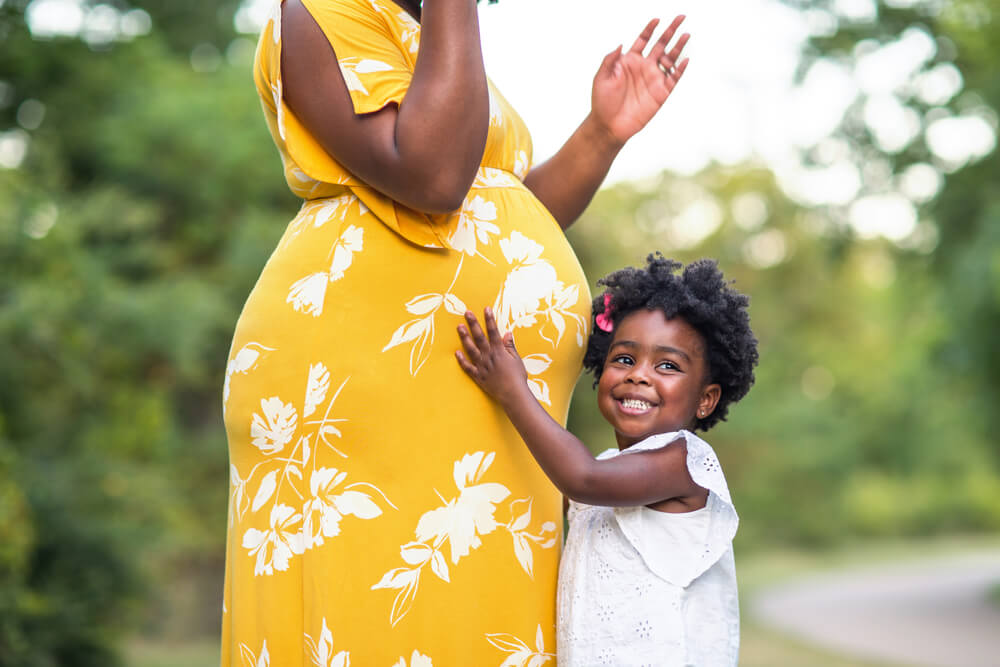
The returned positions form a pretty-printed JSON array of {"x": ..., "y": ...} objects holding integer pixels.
[
  {"x": 490, "y": 358},
  {"x": 630, "y": 87}
]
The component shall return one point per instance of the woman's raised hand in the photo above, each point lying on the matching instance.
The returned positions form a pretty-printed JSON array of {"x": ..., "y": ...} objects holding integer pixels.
[{"x": 630, "y": 87}]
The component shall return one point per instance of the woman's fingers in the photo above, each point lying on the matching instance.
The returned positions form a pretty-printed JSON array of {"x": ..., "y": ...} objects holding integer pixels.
[
  {"x": 644, "y": 37},
  {"x": 668, "y": 34},
  {"x": 675, "y": 52}
]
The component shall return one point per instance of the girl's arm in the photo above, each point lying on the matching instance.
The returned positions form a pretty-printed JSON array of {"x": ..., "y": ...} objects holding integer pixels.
[
  {"x": 426, "y": 152},
  {"x": 642, "y": 478},
  {"x": 629, "y": 89}
]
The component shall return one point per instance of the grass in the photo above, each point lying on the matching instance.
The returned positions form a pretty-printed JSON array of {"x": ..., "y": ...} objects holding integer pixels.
[
  {"x": 994, "y": 595},
  {"x": 760, "y": 646},
  {"x": 163, "y": 653}
]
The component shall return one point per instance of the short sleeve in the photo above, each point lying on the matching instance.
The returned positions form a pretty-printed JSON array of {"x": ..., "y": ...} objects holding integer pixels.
[
  {"x": 679, "y": 548},
  {"x": 375, "y": 44}
]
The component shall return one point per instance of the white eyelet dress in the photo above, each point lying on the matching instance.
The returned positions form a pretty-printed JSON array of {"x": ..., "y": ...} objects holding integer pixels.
[{"x": 638, "y": 587}]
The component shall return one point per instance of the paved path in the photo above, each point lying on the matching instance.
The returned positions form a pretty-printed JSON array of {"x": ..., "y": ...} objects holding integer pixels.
[{"x": 931, "y": 613}]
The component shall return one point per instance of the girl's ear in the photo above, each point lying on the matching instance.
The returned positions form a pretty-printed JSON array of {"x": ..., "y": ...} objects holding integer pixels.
[{"x": 709, "y": 399}]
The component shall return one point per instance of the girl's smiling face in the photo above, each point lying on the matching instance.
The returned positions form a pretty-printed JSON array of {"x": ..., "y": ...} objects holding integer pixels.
[{"x": 655, "y": 378}]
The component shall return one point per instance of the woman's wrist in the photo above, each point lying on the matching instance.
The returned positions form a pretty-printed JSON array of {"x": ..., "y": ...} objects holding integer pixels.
[{"x": 600, "y": 137}]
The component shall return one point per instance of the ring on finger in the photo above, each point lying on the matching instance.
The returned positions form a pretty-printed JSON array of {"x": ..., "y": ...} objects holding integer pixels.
[{"x": 668, "y": 71}]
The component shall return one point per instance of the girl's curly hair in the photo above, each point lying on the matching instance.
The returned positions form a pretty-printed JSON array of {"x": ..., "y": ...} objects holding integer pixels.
[{"x": 704, "y": 300}]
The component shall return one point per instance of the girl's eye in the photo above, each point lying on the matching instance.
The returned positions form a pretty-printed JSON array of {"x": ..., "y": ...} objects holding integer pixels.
[
  {"x": 622, "y": 359},
  {"x": 668, "y": 365}
]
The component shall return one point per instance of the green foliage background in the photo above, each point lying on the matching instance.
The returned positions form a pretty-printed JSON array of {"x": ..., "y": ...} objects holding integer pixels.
[{"x": 150, "y": 197}]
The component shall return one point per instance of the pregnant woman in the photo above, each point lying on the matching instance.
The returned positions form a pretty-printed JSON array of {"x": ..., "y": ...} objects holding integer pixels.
[{"x": 382, "y": 510}]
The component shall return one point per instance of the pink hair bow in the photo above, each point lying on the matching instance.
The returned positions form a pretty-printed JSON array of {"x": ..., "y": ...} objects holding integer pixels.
[{"x": 603, "y": 320}]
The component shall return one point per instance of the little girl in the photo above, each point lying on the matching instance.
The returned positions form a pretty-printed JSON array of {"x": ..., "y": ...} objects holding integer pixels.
[{"x": 647, "y": 575}]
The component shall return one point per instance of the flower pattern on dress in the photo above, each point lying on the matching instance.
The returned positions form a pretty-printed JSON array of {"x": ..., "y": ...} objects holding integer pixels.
[
  {"x": 417, "y": 659},
  {"x": 321, "y": 650},
  {"x": 476, "y": 221},
  {"x": 461, "y": 523},
  {"x": 521, "y": 655},
  {"x": 272, "y": 432},
  {"x": 308, "y": 487},
  {"x": 275, "y": 547},
  {"x": 350, "y": 68},
  {"x": 251, "y": 659},
  {"x": 242, "y": 362}
]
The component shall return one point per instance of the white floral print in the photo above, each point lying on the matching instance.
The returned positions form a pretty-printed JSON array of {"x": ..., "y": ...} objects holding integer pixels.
[
  {"x": 324, "y": 511},
  {"x": 420, "y": 330},
  {"x": 307, "y": 294},
  {"x": 321, "y": 650},
  {"x": 352, "y": 67},
  {"x": 461, "y": 523},
  {"x": 521, "y": 655},
  {"x": 416, "y": 660},
  {"x": 272, "y": 432},
  {"x": 316, "y": 388},
  {"x": 476, "y": 221},
  {"x": 243, "y": 362},
  {"x": 530, "y": 280},
  {"x": 275, "y": 547},
  {"x": 251, "y": 659}
]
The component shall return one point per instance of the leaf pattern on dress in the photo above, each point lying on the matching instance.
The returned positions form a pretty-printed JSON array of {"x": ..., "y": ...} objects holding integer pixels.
[
  {"x": 307, "y": 295},
  {"x": 316, "y": 388},
  {"x": 315, "y": 214},
  {"x": 411, "y": 32},
  {"x": 521, "y": 165},
  {"x": 488, "y": 177},
  {"x": 350, "y": 68},
  {"x": 417, "y": 659},
  {"x": 420, "y": 330},
  {"x": 536, "y": 364},
  {"x": 321, "y": 650},
  {"x": 496, "y": 111},
  {"x": 521, "y": 655},
  {"x": 251, "y": 659},
  {"x": 461, "y": 522},
  {"x": 242, "y": 362},
  {"x": 520, "y": 511}
]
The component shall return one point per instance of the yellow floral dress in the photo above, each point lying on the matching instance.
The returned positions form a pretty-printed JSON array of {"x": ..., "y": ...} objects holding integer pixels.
[{"x": 383, "y": 511}]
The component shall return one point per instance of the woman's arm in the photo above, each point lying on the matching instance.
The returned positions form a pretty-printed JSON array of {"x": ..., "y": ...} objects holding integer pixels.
[
  {"x": 642, "y": 478},
  {"x": 629, "y": 88},
  {"x": 426, "y": 152}
]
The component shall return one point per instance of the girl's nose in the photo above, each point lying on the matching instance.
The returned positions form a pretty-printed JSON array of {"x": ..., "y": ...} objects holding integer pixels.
[{"x": 637, "y": 375}]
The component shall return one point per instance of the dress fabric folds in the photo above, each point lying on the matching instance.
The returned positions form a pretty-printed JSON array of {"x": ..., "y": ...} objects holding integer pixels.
[{"x": 382, "y": 509}]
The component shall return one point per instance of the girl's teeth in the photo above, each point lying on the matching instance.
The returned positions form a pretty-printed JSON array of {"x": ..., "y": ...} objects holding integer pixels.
[{"x": 635, "y": 404}]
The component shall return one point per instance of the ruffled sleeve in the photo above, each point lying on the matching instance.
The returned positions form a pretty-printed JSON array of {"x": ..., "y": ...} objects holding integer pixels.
[
  {"x": 680, "y": 547},
  {"x": 376, "y": 46}
]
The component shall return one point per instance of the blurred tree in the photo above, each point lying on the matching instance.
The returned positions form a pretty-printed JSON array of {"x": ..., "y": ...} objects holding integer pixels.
[
  {"x": 139, "y": 198},
  {"x": 936, "y": 123}
]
